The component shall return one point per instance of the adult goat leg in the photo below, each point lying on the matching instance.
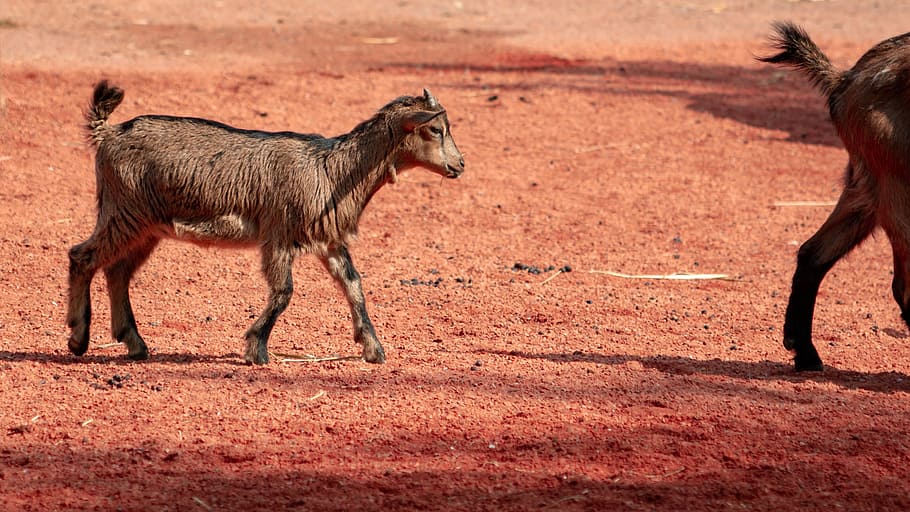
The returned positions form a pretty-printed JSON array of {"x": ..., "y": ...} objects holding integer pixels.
[
  {"x": 899, "y": 235},
  {"x": 849, "y": 224},
  {"x": 277, "y": 264},
  {"x": 900, "y": 285},
  {"x": 123, "y": 323},
  {"x": 338, "y": 262}
]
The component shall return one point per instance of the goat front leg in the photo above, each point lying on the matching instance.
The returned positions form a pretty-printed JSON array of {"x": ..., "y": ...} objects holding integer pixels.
[
  {"x": 339, "y": 264},
  {"x": 899, "y": 235},
  {"x": 123, "y": 323},
  {"x": 849, "y": 224},
  {"x": 277, "y": 263},
  {"x": 899, "y": 285}
]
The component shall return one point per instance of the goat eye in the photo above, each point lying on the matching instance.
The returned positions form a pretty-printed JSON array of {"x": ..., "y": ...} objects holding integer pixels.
[{"x": 435, "y": 130}]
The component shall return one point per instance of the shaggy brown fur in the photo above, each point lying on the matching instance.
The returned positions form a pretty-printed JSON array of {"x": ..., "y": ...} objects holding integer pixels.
[
  {"x": 870, "y": 108},
  {"x": 212, "y": 184}
]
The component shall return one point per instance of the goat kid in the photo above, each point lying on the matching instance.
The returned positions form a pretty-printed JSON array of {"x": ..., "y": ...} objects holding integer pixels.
[
  {"x": 869, "y": 108},
  {"x": 215, "y": 185}
]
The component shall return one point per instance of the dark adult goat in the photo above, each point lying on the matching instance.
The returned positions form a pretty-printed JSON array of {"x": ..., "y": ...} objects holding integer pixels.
[
  {"x": 211, "y": 184},
  {"x": 870, "y": 108}
]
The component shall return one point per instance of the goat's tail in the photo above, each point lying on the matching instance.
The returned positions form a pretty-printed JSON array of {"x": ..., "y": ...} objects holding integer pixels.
[
  {"x": 104, "y": 100},
  {"x": 797, "y": 50}
]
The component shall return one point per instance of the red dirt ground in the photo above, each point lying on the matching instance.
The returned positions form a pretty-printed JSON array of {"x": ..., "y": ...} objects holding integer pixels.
[{"x": 638, "y": 137}]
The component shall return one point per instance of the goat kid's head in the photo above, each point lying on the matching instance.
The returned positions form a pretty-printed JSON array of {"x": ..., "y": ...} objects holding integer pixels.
[{"x": 428, "y": 141}]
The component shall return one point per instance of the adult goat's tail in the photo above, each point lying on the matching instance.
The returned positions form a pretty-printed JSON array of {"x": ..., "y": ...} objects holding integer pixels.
[
  {"x": 797, "y": 50},
  {"x": 104, "y": 100}
]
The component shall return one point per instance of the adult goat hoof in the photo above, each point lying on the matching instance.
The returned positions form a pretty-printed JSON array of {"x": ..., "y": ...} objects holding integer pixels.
[
  {"x": 789, "y": 343},
  {"x": 77, "y": 347},
  {"x": 807, "y": 363},
  {"x": 139, "y": 355}
]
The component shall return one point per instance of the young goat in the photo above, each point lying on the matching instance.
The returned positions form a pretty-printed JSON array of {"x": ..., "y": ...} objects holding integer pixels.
[
  {"x": 870, "y": 109},
  {"x": 211, "y": 184}
]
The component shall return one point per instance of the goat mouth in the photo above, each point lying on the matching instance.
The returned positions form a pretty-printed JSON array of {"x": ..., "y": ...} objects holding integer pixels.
[{"x": 453, "y": 172}]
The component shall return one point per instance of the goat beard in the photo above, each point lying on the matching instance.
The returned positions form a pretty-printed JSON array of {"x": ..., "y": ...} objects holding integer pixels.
[{"x": 393, "y": 174}]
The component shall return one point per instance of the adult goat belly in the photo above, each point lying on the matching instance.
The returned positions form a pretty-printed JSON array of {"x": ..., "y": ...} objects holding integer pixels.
[{"x": 225, "y": 230}]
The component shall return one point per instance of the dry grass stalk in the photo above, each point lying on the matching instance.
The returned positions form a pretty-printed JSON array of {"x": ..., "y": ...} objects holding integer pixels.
[
  {"x": 309, "y": 358},
  {"x": 547, "y": 280},
  {"x": 668, "y": 474},
  {"x": 202, "y": 503},
  {"x": 677, "y": 276},
  {"x": 805, "y": 203},
  {"x": 380, "y": 40},
  {"x": 592, "y": 149}
]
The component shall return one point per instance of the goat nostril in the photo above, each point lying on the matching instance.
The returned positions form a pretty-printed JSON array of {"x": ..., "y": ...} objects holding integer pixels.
[{"x": 461, "y": 162}]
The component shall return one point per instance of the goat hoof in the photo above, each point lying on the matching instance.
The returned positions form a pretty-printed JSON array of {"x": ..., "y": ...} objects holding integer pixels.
[
  {"x": 810, "y": 363},
  {"x": 76, "y": 346},
  {"x": 139, "y": 355},
  {"x": 789, "y": 343},
  {"x": 135, "y": 345},
  {"x": 257, "y": 352},
  {"x": 257, "y": 359},
  {"x": 374, "y": 354}
]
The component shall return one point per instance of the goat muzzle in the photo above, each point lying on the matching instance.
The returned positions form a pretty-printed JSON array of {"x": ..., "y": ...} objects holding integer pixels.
[{"x": 454, "y": 172}]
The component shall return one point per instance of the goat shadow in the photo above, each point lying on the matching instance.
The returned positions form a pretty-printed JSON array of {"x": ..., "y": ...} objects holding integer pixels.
[
  {"x": 881, "y": 382},
  {"x": 119, "y": 359},
  {"x": 763, "y": 97}
]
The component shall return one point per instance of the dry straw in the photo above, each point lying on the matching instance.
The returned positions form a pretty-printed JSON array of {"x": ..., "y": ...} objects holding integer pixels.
[
  {"x": 677, "y": 276},
  {"x": 805, "y": 203},
  {"x": 309, "y": 358}
]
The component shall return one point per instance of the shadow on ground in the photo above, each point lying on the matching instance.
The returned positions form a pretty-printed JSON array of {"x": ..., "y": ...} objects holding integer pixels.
[
  {"x": 66, "y": 359},
  {"x": 764, "y": 97},
  {"x": 217, "y": 478},
  {"x": 883, "y": 382}
]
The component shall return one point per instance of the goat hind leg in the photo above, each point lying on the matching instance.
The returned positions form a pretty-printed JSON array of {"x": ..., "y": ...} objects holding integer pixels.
[
  {"x": 104, "y": 246},
  {"x": 276, "y": 265},
  {"x": 83, "y": 265},
  {"x": 852, "y": 220},
  {"x": 339, "y": 264},
  {"x": 119, "y": 274}
]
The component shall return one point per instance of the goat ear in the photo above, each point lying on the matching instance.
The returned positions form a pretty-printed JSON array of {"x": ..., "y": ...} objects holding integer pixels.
[
  {"x": 412, "y": 120},
  {"x": 431, "y": 100}
]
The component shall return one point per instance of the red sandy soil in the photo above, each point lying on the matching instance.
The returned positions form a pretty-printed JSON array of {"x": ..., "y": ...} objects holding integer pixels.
[{"x": 637, "y": 137}]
